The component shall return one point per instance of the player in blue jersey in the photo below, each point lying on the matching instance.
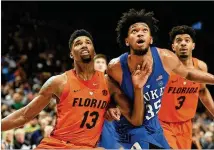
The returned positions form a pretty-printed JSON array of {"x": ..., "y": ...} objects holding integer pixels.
[{"x": 135, "y": 32}]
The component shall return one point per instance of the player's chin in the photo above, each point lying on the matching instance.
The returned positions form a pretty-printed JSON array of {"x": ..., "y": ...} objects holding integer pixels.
[
  {"x": 183, "y": 56},
  {"x": 86, "y": 59}
]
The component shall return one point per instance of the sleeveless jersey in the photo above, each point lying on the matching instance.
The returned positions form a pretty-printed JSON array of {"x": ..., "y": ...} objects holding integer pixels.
[
  {"x": 151, "y": 130},
  {"x": 180, "y": 99},
  {"x": 80, "y": 112}
]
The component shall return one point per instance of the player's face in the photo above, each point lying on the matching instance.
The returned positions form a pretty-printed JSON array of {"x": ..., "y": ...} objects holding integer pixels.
[
  {"x": 183, "y": 45},
  {"x": 82, "y": 49},
  {"x": 139, "y": 38},
  {"x": 100, "y": 64}
]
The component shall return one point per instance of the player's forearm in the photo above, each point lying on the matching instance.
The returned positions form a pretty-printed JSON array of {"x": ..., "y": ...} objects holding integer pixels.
[
  {"x": 200, "y": 76},
  {"x": 14, "y": 120},
  {"x": 197, "y": 143},
  {"x": 138, "y": 108},
  {"x": 25, "y": 114},
  {"x": 207, "y": 100}
]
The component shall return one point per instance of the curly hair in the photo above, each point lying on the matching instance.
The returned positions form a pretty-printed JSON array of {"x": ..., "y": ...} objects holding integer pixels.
[
  {"x": 131, "y": 17},
  {"x": 78, "y": 33},
  {"x": 183, "y": 29}
]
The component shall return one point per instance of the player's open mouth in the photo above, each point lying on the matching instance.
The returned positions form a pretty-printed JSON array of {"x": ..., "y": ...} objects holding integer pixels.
[
  {"x": 140, "y": 42},
  {"x": 84, "y": 52}
]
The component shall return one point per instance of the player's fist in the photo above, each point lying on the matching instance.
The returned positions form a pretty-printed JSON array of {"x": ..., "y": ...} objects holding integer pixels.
[{"x": 113, "y": 114}]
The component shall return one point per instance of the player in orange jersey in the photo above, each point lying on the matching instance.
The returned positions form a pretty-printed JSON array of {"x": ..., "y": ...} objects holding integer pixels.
[
  {"x": 180, "y": 97},
  {"x": 82, "y": 96}
]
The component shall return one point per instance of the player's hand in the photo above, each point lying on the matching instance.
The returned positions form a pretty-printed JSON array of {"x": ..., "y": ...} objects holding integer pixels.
[
  {"x": 113, "y": 114},
  {"x": 141, "y": 74}
]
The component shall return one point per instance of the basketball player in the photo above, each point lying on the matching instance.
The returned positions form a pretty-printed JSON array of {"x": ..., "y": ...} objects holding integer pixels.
[
  {"x": 100, "y": 63},
  {"x": 82, "y": 96},
  {"x": 180, "y": 97},
  {"x": 135, "y": 31}
]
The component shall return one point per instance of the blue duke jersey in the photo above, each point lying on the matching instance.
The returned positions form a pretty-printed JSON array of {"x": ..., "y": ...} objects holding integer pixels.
[{"x": 150, "y": 131}]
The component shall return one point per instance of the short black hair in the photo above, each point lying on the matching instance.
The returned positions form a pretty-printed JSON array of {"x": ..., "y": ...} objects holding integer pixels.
[
  {"x": 183, "y": 29},
  {"x": 78, "y": 33},
  {"x": 131, "y": 17}
]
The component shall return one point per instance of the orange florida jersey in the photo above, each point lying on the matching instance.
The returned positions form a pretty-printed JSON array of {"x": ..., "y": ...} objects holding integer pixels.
[
  {"x": 81, "y": 109},
  {"x": 180, "y": 99}
]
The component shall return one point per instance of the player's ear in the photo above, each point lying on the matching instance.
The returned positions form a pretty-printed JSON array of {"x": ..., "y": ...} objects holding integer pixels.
[
  {"x": 127, "y": 42},
  {"x": 151, "y": 41},
  {"x": 193, "y": 46},
  {"x": 173, "y": 47},
  {"x": 71, "y": 55}
]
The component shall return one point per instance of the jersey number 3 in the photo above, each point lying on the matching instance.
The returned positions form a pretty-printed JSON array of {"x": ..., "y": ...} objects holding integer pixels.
[
  {"x": 181, "y": 100},
  {"x": 94, "y": 115}
]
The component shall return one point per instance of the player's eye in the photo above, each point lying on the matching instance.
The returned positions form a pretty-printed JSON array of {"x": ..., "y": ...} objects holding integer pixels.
[
  {"x": 134, "y": 31},
  {"x": 145, "y": 30}
]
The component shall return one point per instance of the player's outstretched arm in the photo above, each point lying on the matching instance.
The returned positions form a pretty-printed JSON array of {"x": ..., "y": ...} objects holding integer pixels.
[
  {"x": 174, "y": 64},
  {"x": 204, "y": 93},
  {"x": 25, "y": 114}
]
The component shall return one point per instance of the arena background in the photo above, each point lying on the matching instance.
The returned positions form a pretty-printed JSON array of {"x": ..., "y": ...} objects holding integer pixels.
[{"x": 34, "y": 46}]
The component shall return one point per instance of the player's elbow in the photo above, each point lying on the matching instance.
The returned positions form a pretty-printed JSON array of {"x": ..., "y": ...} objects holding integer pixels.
[
  {"x": 136, "y": 122},
  {"x": 136, "y": 119}
]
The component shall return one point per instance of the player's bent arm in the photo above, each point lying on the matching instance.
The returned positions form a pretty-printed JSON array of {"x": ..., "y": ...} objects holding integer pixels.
[
  {"x": 204, "y": 93},
  {"x": 174, "y": 64},
  {"x": 134, "y": 114},
  {"x": 25, "y": 114}
]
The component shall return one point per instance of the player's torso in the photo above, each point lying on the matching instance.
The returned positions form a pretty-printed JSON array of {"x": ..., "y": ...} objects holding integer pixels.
[
  {"x": 180, "y": 99},
  {"x": 153, "y": 91},
  {"x": 81, "y": 109}
]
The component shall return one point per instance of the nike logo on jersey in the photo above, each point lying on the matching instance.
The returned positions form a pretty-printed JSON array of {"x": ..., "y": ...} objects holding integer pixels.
[
  {"x": 159, "y": 78},
  {"x": 76, "y": 90},
  {"x": 136, "y": 146},
  {"x": 174, "y": 81}
]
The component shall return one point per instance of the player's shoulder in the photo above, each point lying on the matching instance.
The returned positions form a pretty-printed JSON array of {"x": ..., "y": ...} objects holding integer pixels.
[
  {"x": 164, "y": 52},
  {"x": 114, "y": 69},
  {"x": 58, "y": 80},
  {"x": 114, "y": 64},
  {"x": 60, "y": 77},
  {"x": 201, "y": 64},
  {"x": 54, "y": 85}
]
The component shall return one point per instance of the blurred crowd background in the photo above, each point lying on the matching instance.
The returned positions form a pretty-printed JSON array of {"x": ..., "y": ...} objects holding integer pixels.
[{"x": 34, "y": 47}]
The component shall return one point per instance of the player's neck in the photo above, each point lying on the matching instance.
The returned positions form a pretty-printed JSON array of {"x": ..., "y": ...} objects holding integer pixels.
[
  {"x": 137, "y": 58},
  {"x": 134, "y": 60},
  {"x": 84, "y": 70},
  {"x": 187, "y": 62}
]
